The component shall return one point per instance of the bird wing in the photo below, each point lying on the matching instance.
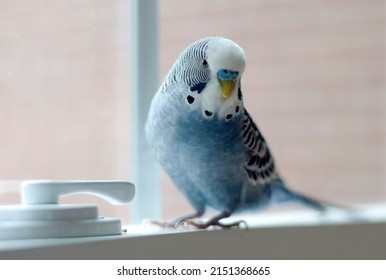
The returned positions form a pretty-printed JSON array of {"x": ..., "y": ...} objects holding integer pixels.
[{"x": 259, "y": 163}]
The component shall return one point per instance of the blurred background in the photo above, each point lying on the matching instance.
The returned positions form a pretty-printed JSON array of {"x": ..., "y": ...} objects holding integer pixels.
[{"x": 315, "y": 84}]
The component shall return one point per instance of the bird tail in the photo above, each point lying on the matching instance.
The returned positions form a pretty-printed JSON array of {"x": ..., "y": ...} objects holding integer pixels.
[{"x": 281, "y": 194}]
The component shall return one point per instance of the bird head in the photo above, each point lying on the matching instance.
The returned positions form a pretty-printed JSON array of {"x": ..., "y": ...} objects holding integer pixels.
[{"x": 211, "y": 69}]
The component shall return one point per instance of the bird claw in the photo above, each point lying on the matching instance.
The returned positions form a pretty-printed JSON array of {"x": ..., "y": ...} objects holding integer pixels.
[
  {"x": 162, "y": 224},
  {"x": 185, "y": 223},
  {"x": 197, "y": 225}
]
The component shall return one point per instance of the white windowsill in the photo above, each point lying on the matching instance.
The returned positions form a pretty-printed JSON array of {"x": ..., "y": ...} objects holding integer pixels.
[{"x": 291, "y": 235}]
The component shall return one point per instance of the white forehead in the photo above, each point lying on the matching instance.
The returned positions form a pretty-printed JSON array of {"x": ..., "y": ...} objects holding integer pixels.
[{"x": 225, "y": 54}]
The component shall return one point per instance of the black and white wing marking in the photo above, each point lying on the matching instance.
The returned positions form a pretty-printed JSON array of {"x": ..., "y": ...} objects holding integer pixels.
[{"x": 259, "y": 163}]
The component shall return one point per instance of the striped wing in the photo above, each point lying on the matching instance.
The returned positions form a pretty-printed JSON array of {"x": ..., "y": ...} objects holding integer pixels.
[{"x": 259, "y": 163}]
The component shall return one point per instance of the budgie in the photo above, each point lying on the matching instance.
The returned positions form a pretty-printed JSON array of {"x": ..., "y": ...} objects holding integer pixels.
[{"x": 205, "y": 139}]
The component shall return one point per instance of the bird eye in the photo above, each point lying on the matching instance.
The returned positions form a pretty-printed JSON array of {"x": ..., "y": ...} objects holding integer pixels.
[{"x": 204, "y": 63}]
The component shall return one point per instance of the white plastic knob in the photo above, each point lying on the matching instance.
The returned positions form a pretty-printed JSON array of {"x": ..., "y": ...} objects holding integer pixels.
[
  {"x": 40, "y": 215},
  {"x": 48, "y": 192}
]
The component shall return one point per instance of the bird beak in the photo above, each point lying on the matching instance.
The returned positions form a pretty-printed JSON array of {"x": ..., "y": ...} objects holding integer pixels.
[
  {"x": 227, "y": 87},
  {"x": 227, "y": 79}
]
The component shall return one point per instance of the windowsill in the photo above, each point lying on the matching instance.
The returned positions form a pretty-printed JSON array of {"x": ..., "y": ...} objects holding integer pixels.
[{"x": 290, "y": 235}]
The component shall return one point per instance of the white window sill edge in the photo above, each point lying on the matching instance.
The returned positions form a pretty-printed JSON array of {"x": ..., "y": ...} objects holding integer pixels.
[{"x": 298, "y": 234}]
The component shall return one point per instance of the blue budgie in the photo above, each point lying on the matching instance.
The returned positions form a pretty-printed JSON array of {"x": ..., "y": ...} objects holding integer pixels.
[{"x": 207, "y": 142}]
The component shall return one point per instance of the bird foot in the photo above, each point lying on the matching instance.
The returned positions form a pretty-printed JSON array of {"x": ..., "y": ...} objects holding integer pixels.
[
  {"x": 175, "y": 223},
  {"x": 185, "y": 224},
  {"x": 162, "y": 224},
  {"x": 191, "y": 223}
]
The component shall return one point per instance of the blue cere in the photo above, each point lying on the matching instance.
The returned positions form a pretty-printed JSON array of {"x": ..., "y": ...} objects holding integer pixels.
[{"x": 225, "y": 74}]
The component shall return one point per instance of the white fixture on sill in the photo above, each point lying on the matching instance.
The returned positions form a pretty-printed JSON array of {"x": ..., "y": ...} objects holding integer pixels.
[{"x": 40, "y": 215}]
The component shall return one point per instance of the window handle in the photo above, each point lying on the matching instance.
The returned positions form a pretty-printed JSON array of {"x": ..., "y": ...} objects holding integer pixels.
[{"x": 48, "y": 191}]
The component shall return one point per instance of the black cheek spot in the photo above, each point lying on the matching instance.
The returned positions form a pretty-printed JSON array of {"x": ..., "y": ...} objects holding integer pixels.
[
  {"x": 229, "y": 116},
  {"x": 208, "y": 113},
  {"x": 190, "y": 99},
  {"x": 237, "y": 109}
]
